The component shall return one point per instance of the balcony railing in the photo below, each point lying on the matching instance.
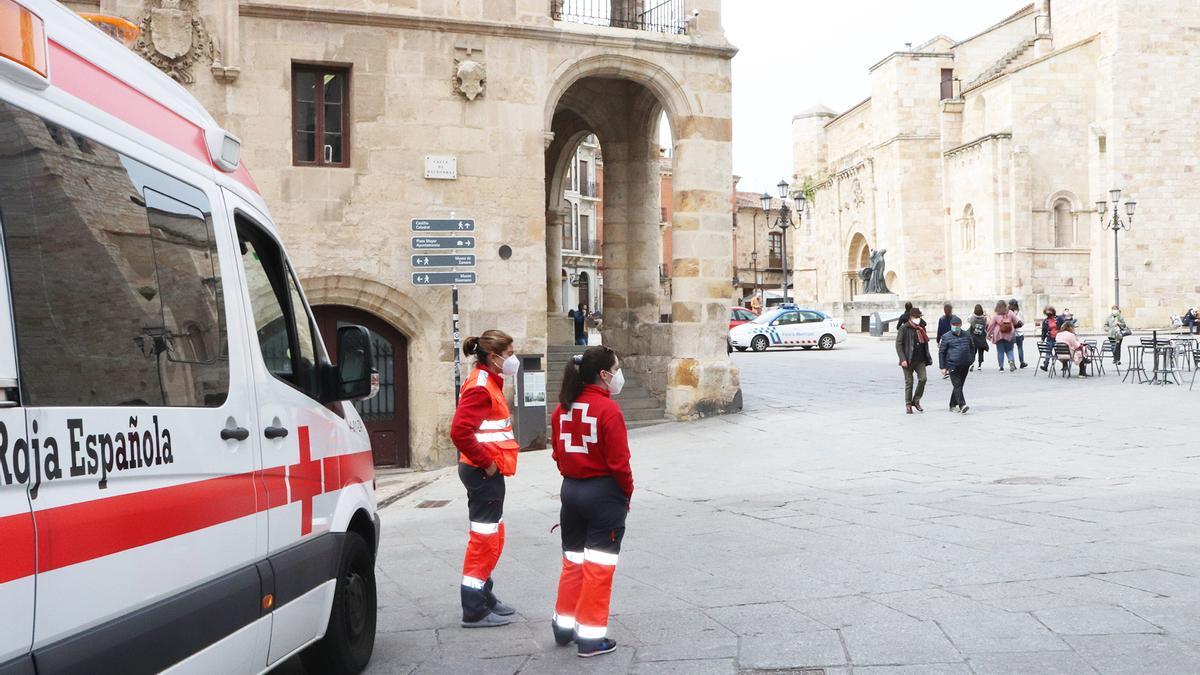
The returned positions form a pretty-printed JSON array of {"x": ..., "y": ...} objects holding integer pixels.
[
  {"x": 774, "y": 261},
  {"x": 655, "y": 16},
  {"x": 589, "y": 189}
]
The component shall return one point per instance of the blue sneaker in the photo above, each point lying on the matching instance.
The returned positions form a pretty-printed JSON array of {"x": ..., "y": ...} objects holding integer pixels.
[{"x": 590, "y": 648}]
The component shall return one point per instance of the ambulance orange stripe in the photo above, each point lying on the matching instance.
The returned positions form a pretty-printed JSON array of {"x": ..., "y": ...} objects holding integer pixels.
[
  {"x": 84, "y": 80},
  {"x": 76, "y": 533}
]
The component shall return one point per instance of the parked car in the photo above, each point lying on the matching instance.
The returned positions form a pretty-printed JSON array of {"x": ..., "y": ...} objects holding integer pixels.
[
  {"x": 788, "y": 326},
  {"x": 740, "y": 315}
]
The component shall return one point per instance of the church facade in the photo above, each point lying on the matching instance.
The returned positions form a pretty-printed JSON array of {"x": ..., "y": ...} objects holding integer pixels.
[
  {"x": 357, "y": 116},
  {"x": 977, "y": 166}
]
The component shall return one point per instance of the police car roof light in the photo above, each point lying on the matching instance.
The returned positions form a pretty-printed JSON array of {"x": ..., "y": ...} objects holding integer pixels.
[
  {"x": 23, "y": 48},
  {"x": 789, "y": 305}
]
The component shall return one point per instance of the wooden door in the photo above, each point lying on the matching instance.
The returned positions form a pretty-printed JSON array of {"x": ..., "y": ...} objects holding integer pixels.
[{"x": 386, "y": 414}]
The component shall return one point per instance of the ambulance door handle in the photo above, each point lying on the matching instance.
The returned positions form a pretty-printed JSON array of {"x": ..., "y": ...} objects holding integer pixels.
[
  {"x": 234, "y": 434},
  {"x": 275, "y": 432}
]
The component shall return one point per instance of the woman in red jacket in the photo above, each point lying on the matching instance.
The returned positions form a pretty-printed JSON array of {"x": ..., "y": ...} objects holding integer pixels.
[
  {"x": 591, "y": 448},
  {"x": 487, "y": 452}
]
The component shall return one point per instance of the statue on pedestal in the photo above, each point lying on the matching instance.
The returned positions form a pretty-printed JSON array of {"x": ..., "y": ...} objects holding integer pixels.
[{"x": 873, "y": 276}]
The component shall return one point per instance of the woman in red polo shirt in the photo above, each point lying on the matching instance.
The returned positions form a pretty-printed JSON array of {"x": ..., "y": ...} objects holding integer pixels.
[
  {"x": 591, "y": 447},
  {"x": 482, "y": 433}
]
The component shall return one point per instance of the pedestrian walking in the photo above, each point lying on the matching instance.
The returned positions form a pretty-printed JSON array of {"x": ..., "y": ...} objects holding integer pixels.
[
  {"x": 591, "y": 448},
  {"x": 912, "y": 348},
  {"x": 580, "y": 317},
  {"x": 944, "y": 320},
  {"x": 1116, "y": 329},
  {"x": 1002, "y": 330},
  {"x": 1019, "y": 321},
  {"x": 956, "y": 353},
  {"x": 487, "y": 452},
  {"x": 978, "y": 330},
  {"x": 1050, "y": 326}
]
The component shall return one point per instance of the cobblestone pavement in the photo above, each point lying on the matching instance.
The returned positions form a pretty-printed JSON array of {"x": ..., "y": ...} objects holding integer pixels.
[{"x": 1054, "y": 529}]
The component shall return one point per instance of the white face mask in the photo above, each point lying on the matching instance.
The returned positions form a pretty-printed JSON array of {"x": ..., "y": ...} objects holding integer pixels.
[
  {"x": 617, "y": 383},
  {"x": 510, "y": 367}
]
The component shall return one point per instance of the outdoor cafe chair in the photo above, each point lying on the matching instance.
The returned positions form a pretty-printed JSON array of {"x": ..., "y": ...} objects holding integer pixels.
[
  {"x": 1062, "y": 354},
  {"x": 1045, "y": 356},
  {"x": 1109, "y": 350},
  {"x": 1135, "y": 363},
  {"x": 1095, "y": 363}
]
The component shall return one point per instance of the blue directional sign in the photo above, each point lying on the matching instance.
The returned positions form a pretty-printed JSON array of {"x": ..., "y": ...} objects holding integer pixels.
[
  {"x": 443, "y": 224},
  {"x": 435, "y": 243},
  {"x": 443, "y": 278},
  {"x": 452, "y": 260}
]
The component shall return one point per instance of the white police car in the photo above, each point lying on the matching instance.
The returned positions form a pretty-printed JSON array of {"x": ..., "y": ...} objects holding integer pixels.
[{"x": 788, "y": 326}]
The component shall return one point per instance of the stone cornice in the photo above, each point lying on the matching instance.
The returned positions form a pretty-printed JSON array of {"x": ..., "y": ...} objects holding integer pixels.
[
  {"x": 976, "y": 143},
  {"x": 670, "y": 45}
]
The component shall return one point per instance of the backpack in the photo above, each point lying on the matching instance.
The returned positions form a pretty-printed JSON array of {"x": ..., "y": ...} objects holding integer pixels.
[{"x": 1006, "y": 326}]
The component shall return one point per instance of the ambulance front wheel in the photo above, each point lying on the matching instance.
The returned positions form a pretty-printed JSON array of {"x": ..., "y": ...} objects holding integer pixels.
[
  {"x": 826, "y": 342},
  {"x": 350, "y": 638},
  {"x": 759, "y": 343}
]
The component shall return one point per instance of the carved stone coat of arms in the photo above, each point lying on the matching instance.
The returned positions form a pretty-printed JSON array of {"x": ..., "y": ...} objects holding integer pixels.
[{"x": 173, "y": 38}]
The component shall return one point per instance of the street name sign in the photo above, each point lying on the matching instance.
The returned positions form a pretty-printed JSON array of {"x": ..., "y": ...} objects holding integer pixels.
[
  {"x": 443, "y": 224},
  {"x": 437, "y": 243},
  {"x": 443, "y": 278},
  {"x": 451, "y": 260}
]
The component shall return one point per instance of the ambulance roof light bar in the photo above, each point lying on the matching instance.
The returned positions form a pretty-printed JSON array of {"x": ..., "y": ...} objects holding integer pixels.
[
  {"x": 121, "y": 30},
  {"x": 23, "y": 50}
]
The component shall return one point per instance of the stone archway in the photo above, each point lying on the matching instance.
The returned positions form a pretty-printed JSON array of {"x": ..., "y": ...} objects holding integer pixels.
[
  {"x": 621, "y": 100},
  {"x": 426, "y": 359}
]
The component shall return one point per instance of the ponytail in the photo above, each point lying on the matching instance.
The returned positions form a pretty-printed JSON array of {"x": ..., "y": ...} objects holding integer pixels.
[
  {"x": 584, "y": 369},
  {"x": 490, "y": 342}
]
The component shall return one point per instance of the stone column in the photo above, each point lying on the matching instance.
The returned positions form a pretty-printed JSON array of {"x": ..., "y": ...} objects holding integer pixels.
[
  {"x": 554, "y": 232},
  {"x": 701, "y": 380}
]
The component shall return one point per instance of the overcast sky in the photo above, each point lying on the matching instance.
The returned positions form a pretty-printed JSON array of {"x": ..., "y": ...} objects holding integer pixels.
[{"x": 797, "y": 53}]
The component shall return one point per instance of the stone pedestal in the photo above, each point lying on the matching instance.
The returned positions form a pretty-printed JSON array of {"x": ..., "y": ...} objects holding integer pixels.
[{"x": 560, "y": 330}]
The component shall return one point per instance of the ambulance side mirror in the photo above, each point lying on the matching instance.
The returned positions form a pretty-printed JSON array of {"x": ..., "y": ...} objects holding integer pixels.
[{"x": 357, "y": 378}]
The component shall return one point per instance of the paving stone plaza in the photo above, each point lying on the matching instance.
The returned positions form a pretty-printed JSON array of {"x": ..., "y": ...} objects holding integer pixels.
[{"x": 1051, "y": 530}]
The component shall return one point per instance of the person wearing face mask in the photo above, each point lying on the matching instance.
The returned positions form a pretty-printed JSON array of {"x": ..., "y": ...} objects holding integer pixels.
[
  {"x": 591, "y": 448},
  {"x": 956, "y": 353},
  {"x": 1116, "y": 329},
  {"x": 482, "y": 433},
  {"x": 912, "y": 348}
]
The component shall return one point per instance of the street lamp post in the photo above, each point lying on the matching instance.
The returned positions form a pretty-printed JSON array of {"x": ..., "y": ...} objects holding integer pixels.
[
  {"x": 784, "y": 222},
  {"x": 1116, "y": 225}
]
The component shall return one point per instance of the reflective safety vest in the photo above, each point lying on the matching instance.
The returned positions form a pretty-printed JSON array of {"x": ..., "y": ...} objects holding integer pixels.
[{"x": 495, "y": 433}]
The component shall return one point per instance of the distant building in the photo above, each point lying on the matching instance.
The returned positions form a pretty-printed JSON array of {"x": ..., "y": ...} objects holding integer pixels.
[{"x": 977, "y": 165}]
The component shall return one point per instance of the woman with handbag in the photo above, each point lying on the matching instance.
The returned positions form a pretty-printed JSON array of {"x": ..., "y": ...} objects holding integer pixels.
[{"x": 1116, "y": 329}]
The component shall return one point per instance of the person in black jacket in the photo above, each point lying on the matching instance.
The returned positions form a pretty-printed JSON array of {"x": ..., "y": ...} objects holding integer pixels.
[
  {"x": 944, "y": 321},
  {"x": 912, "y": 348},
  {"x": 956, "y": 353}
]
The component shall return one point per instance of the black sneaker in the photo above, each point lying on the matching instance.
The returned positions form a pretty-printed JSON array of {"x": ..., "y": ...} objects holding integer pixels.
[
  {"x": 1044, "y": 369},
  {"x": 964, "y": 409},
  {"x": 1024, "y": 365},
  {"x": 492, "y": 620},
  {"x": 590, "y": 648},
  {"x": 562, "y": 636}
]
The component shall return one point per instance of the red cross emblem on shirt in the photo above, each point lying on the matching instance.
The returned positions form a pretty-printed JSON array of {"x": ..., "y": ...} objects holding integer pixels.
[
  {"x": 576, "y": 429},
  {"x": 304, "y": 482}
]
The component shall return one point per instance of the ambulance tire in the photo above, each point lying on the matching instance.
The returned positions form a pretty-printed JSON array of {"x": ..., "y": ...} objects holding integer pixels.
[
  {"x": 827, "y": 342},
  {"x": 759, "y": 343},
  {"x": 806, "y": 347},
  {"x": 350, "y": 638}
]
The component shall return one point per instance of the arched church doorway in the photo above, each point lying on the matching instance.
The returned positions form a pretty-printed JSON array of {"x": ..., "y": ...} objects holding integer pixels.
[{"x": 386, "y": 414}]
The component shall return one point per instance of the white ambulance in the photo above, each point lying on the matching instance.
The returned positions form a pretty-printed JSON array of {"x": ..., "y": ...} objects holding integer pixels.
[{"x": 184, "y": 483}]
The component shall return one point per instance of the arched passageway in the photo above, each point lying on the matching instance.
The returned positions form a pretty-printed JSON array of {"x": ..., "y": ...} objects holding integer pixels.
[{"x": 682, "y": 361}]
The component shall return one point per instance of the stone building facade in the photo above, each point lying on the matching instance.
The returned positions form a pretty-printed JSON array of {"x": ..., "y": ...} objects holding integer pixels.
[
  {"x": 977, "y": 166},
  {"x": 758, "y": 249},
  {"x": 339, "y": 103}
]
